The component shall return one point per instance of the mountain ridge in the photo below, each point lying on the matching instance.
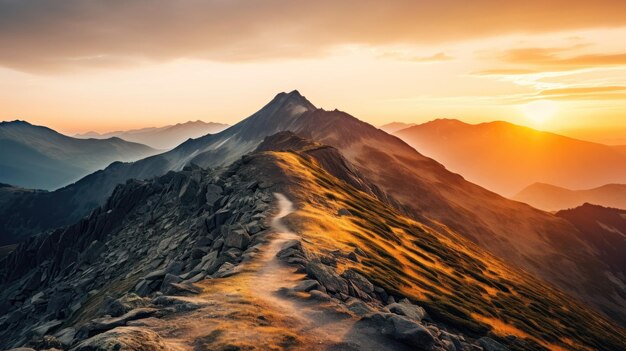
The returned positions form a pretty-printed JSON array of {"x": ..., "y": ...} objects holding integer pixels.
[{"x": 170, "y": 251}]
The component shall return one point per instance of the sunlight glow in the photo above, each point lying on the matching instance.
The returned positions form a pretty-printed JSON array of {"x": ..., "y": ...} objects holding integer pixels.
[{"x": 539, "y": 111}]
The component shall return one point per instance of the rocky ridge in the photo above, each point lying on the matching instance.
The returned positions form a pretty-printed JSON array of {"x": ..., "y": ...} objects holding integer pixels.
[{"x": 152, "y": 237}]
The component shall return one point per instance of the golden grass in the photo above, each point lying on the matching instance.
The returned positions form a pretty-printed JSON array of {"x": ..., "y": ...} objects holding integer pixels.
[{"x": 458, "y": 283}]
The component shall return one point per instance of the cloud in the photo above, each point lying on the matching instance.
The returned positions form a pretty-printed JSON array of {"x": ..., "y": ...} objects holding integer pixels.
[
  {"x": 440, "y": 56},
  {"x": 584, "y": 93},
  {"x": 48, "y": 35},
  {"x": 551, "y": 58},
  {"x": 433, "y": 58}
]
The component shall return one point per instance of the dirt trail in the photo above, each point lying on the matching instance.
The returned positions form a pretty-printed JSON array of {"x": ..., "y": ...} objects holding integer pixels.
[{"x": 246, "y": 312}]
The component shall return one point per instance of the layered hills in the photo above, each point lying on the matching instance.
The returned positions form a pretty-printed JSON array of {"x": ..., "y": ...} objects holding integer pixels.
[
  {"x": 553, "y": 198},
  {"x": 506, "y": 158},
  {"x": 162, "y": 138},
  {"x": 183, "y": 261},
  {"x": 39, "y": 157},
  {"x": 542, "y": 244}
]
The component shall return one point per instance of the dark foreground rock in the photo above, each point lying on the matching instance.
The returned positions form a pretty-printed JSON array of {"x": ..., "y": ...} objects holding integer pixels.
[{"x": 123, "y": 339}]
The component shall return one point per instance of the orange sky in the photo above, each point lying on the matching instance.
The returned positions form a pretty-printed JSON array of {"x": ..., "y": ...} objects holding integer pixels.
[{"x": 101, "y": 65}]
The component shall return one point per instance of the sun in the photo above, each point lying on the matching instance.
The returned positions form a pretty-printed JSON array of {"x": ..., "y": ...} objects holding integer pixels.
[{"x": 539, "y": 111}]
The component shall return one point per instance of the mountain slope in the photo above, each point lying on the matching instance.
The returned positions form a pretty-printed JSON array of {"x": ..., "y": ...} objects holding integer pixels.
[
  {"x": 536, "y": 241},
  {"x": 38, "y": 157},
  {"x": 553, "y": 198},
  {"x": 375, "y": 279},
  {"x": 506, "y": 158},
  {"x": 604, "y": 229},
  {"x": 163, "y": 138}
]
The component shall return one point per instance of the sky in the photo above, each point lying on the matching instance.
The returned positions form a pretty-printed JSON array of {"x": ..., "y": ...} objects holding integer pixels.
[{"x": 102, "y": 65}]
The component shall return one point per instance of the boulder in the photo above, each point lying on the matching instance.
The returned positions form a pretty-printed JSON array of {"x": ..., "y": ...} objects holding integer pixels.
[
  {"x": 327, "y": 277},
  {"x": 307, "y": 285},
  {"x": 123, "y": 339},
  {"x": 66, "y": 336},
  {"x": 402, "y": 329},
  {"x": 408, "y": 310},
  {"x": 100, "y": 325},
  {"x": 358, "y": 307},
  {"x": 237, "y": 238},
  {"x": 183, "y": 288},
  {"x": 359, "y": 281},
  {"x": 128, "y": 302}
]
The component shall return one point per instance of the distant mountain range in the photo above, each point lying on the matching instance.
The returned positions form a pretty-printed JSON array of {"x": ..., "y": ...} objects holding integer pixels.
[
  {"x": 553, "y": 198},
  {"x": 506, "y": 158},
  {"x": 162, "y": 138},
  {"x": 395, "y": 174},
  {"x": 39, "y": 157},
  {"x": 395, "y": 126}
]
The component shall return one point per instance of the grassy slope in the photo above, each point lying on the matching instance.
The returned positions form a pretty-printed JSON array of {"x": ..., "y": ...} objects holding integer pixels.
[{"x": 458, "y": 283}]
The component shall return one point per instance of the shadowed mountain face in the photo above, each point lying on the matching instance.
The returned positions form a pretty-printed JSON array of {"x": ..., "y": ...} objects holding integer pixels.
[
  {"x": 536, "y": 241},
  {"x": 604, "y": 229},
  {"x": 553, "y": 198},
  {"x": 163, "y": 138},
  {"x": 191, "y": 260},
  {"x": 506, "y": 158},
  {"x": 38, "y": 157}
]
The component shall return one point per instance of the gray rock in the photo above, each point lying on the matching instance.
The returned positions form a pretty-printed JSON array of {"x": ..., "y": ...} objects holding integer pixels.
[
  {"x": 237, "y": 238},
  {"x": 406, "y": 309},
  {"x": 128, "y": 302},
  {"x": 412, "y": 333},
  {"x": 359, "y": 280},
  {"x": 100, "y": 325},
  {"x": 143, "y": 288},
  {"x": 183, "y": 288},
  {"x": 319, "y": 296},
  {"x": 66, "y": 336},
  {"x": 156, "y": 275},
  {"x": 402, "y": 329},
  {"x": 170, "y": 278},
  {"x": 307, "y": 285},
  {"x": 358, "y": 307},
  {"x": 488, "y": 344},
  {"x": 327, "y": 277},
  {"x": 123, "y": 339},
  {"x": 44, "y": 328},
  {"x": 227, "y": 269}
]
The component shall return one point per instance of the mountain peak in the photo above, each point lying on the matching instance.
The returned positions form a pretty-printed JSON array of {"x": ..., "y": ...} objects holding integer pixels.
[
  {"x": 295, "y": 98},
  {"x": 16, "y": 122}
]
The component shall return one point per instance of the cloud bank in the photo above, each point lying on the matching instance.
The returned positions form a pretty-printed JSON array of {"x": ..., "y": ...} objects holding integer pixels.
[{"x": 48, "y": 35}]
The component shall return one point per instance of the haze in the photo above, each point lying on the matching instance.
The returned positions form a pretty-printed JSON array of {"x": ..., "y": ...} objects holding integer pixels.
[{"x": 79, "y": 66}]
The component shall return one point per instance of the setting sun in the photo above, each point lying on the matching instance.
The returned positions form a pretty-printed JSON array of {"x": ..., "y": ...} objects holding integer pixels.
[{"x": 539, "y": 111}]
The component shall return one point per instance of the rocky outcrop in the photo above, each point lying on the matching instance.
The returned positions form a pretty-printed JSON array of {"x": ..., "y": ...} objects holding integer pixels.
[{"x": 153, "y": 237}]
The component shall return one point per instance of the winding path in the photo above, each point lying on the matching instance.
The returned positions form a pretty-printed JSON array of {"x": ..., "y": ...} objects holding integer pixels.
[{"x": 246, "y": 312}]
